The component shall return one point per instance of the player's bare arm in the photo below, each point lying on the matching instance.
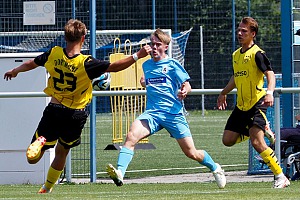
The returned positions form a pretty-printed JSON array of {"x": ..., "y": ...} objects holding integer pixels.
[
  {"x": 26, "y": 66},
  {"x": 126, "y": 62},
  {"x": 221, "y": 102},
  {"x": 269, "y": 99}
]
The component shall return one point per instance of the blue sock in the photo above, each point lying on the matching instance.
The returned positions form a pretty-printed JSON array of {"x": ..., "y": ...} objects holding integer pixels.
[
  {"x": 208, "y": 162},
  {"x": 125, "y": 157}
]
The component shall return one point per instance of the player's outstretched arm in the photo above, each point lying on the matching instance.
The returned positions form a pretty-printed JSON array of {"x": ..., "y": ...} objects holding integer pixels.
[
  {"x": 128, "y": 61},
  {"x": 26, "y": 66}
]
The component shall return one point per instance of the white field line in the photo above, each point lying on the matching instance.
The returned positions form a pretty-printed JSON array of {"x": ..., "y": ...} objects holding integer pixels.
[
  {"x": 172, "y": 192},
  {"x": 167, "y": 169}
]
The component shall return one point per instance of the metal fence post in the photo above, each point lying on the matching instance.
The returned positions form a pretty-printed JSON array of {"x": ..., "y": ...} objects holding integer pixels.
[{"x": 277, "y": 125}]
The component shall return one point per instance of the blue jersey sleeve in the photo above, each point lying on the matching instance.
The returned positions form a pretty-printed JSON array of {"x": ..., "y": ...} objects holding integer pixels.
[{"x": 181, "y": 74}]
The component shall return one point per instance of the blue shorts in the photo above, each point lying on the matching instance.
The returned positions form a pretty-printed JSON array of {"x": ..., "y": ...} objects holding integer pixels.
[{"x": 175, "y": 124}]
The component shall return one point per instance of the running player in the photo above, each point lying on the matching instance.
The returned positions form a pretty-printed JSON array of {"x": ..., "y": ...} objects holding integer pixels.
[
  {"x": 248, "y": 119},
  {"x": 167, "y": 84}
]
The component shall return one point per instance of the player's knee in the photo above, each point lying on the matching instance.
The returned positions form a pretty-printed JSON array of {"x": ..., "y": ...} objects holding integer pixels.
[
  {"x": 131, "y": 138},
  {"x": 227, "y": 142}
]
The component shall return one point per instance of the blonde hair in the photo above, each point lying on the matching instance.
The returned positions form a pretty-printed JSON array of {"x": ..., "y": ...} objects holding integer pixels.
[
  {"x": 162, "y": 36},
  {"x": 74, "y": 30}
]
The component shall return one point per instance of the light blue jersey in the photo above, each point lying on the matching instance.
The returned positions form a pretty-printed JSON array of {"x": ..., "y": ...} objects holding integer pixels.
[
  {"x": 163, "y": 80},
  {"x": 164, "y": 110}
]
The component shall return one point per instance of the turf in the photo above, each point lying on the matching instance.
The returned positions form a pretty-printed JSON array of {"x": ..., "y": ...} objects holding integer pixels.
[
  {"x": 182, "y": 191},
  {"x": 167, "y": 158}
]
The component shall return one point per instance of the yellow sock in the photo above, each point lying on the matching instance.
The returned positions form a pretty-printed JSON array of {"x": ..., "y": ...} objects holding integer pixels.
[
  {"x": 242, "y": 138},
  {"x": 270, "y": 159},
  {"x": 52, "y": 177}
]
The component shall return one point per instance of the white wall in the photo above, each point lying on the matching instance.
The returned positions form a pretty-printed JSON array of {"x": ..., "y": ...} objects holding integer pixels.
[{"x": 19, "y": 118}]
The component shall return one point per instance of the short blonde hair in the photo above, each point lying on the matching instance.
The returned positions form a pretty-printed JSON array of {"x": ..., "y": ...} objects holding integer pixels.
[
  {"x": 74, "y": 30},
  {"x": 162, "y": 36}
]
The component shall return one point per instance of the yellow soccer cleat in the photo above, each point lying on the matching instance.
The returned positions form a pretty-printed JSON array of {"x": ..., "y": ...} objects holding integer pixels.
[{"x": 34, "y": 149}]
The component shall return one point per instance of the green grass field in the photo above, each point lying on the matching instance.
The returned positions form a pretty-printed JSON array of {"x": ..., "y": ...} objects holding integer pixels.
[
  {"x": 166, "y": 159},
  {"x": 188, "y": 191}
]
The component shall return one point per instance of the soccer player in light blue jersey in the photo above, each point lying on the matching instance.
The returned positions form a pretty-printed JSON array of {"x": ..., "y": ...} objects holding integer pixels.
[{"x": 167, "y": 84}]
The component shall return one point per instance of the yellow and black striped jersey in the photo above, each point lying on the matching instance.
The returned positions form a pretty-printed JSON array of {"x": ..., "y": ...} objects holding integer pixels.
[
  {"x": 70, "y": 77},
  {"x": 249, "y": 68}
]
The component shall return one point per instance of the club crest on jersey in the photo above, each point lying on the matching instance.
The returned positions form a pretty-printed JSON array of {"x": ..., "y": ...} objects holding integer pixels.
[
  {"x": 246, "y": 59},
  {"x": 164, "y": 70}
]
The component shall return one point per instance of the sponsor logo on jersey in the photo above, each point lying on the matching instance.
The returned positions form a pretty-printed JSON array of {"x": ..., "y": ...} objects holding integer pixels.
[
  {"x": 156, "y": 80},
  {"x": 241, "y": 73}
]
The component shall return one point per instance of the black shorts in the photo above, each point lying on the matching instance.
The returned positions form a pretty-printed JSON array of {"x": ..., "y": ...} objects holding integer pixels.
[
  {"x": 62, "y": 124},
  {"x": 241, "y": 121}
]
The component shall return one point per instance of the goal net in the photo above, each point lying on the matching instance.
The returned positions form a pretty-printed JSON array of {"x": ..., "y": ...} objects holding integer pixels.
[{"x": 41, "y": 41}]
